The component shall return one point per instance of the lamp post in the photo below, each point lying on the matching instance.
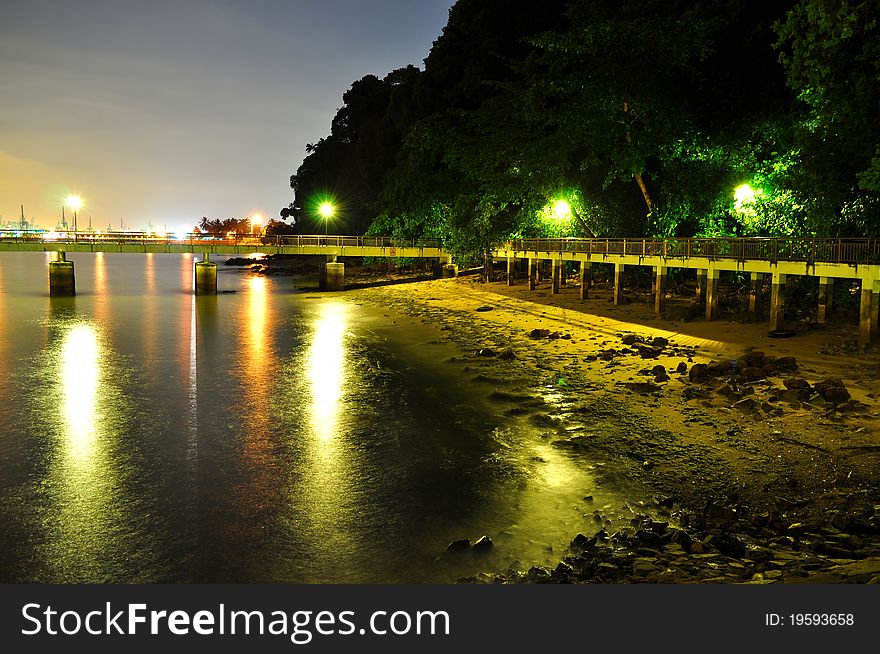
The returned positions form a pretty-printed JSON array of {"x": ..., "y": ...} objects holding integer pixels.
[
  {"x": 75, "y": 203},
  {"x": 257, "y": 222}
]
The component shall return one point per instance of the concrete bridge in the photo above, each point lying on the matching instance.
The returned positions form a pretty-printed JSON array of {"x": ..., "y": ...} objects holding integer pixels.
[
  {"x": 332, "y": 274},
  {"x": 827, "y": 259}
]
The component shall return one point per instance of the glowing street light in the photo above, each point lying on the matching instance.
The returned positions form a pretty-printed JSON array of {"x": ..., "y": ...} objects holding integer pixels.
[
  {"x": 257, "y": 222},
  {"x": 326, "y": 210},
  {"x": 562, "y": 210},
  {"x": 75, "y": 203}
]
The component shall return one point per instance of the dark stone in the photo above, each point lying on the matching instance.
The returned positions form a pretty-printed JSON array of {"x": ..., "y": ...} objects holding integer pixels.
[
  {"x": 483, "y": 544},
  {"x": 795, "y": 383},
  {"x": 662, "y": 377},
  {"x": 642, "y": 387},
  {"x": 648, "y": 352},
  {"x": 681, "y": 367},
  {"x": 719, "y": 368},
  {"x": 699, "y": 372},
  {"x": 836, "y": 395},
  {"x": 660, "y": 342},
  {"x": 539, "y": 333},
  {"x": 484, "y": 308},
  {"x": 786, "y": 364},
  {"x": 746, "y": 405},
  {"x": 758, "y": 554},
  {"x": 460, "y": 545},
  {"x": 507, "y": 355},
  {"x": 485, "y": 352},
  {"x": 753, "y": 373},
  {"x": 658, "y": 370},
  {"x": 629, "y": 339}
]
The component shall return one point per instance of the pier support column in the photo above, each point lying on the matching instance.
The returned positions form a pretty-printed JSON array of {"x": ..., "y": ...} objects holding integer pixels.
[
  {"x": 754, "y": 286},
  {"x": 206, "y": 276},
  {"x": 710, "y": 281},
  {"x": 586, "y": 279},
  {"x": 511, "y": 268},
  {"x": 62, "y": 281},
  {"x": 335, "y": 276},
  {"x": 618, "y": 282},
  {"x": 660, "y": 290},
  {"x": 562, "y": 270},
  {"x": 777, "y": 302},
  {"x": 450, "y": 270},
  {"x": 533, "y": 273},
  {"x": 323, "y": 273},
  {"x": 875, "y": 311},
  {"x": 865, "y": 313},
  {"x": 701, "y": 287},
  {"x": 555, "y": 274},
  {"x": 826, "y": 292}
]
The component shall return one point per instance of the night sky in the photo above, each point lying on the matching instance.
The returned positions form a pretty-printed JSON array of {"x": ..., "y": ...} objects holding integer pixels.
[{"x": 163, "y": 112}]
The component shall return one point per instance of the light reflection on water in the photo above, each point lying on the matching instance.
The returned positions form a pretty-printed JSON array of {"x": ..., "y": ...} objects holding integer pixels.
[{"x": 255, "y": 436}]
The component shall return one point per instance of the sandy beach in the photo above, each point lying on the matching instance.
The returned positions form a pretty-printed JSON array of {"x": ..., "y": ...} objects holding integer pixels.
[{"x": 784, "y": 480}]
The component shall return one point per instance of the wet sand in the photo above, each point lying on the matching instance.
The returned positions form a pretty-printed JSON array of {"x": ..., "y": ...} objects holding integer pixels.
[{"x": 697, "y": 455}]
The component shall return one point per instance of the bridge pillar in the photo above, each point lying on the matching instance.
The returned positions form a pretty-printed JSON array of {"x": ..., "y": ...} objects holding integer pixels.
[
  {"x": 777, "y": 302},
  {"x": 618, "y": 282},
  {"x": 701, "y": 287},
  {"x": 586, "y": 277},
  {"x": 710, "y": 281},
  {"x": 660, "y": 290},
  {"x": 826, "y": 293},
  {"x": 875, "y": 311},
  {"x": 511, "y": 267},
  {"x": 865, "y": 313},
  {"x": 334, "y": 274},
  {"x": 533, "y": 273},
  {"x": 206, "y": 276},
  {"x": 555, "y": 275},
  {"x": 62, "y": 281},
  {"x": 754, "y": 286},
  {"x": 563, "y": 267},
  {"x": 450, "y": 270}
]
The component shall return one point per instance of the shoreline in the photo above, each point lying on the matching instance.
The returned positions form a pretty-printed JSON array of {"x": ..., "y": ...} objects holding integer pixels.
[{"x": 746, "y": 488}]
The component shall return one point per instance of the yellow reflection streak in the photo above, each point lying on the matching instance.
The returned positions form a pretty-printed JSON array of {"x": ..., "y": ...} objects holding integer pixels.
[
  {"x": 80, "y": 375},
  {"x": 150, "y": 273},
  {"x": 100, "y": 273},
  {"x": 326, "y": 369},
  {"x": 257, "y": 321}
]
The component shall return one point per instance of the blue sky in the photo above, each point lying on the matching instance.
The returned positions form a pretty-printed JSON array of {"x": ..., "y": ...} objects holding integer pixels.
[{"x": 164, "y": 112}]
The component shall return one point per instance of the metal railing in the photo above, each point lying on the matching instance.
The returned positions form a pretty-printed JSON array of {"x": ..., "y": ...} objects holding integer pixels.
[
  {"x": 147, "y": 238},
  {"x": 827, "y": 250}
]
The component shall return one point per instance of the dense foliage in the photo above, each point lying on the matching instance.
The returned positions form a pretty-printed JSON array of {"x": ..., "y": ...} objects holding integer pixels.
[{"x": 601, "y": 117}]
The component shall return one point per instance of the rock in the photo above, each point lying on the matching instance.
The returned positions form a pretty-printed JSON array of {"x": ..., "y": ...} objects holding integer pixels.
[
  {"x": 836, "y": 395},
  {"x": 483, "y": 545},
  {"x": 719, "y": 368},
  {"x": 485, "y": 352},
  {"x": 746, "y": 405},
  {"x": 507, "y": 355},
  {"x": 662, "y": 377},
  {"x": 758, "y": 554},
  {"x": 643, "y": 388},
  {"x": 645, "y": 566},
  {"x": 629, "y": 339},
  {"x": 658, "y": 370},
  {"x": 752, "y": 373},
  {"x": 539, "y": 333},
  {"x": 681, "y": 367},
  {"x": 786, "y": 364},
  {"x": 697, "y": 547},
  {"x": 796, "y": 383},
  {"x": 460, "y": 545},
  {"x": 648, "y": 352},
  {"x": 484, "y": 308},
  {"x": 699, "y": 372},
  {"x": 660, "y": 342}
]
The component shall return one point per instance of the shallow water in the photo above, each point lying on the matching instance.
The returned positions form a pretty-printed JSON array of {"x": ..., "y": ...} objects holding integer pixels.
[{"x": 264, "y": 435}]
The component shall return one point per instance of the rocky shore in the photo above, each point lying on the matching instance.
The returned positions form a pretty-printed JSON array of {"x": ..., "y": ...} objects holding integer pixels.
[{"x": 762, "y": 457}]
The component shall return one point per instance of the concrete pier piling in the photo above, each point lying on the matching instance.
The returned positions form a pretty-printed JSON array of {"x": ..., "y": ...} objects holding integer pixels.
[
  {"x": 710, "y": 280},
  {"x": 586, "y": 274},
  {"x": 754, "y": 290},
  {"x": 62, "y": 282},
  {"x": 865, "y": 313},
  {"x": 555, "y": 275},
  {"x": 777, "y": 302},
  {"x": 700, "y": 294},
  {"x": 206, "y": 276},
  {"x": 660, "y": 289},
  {"x": 533, "y": 274},
  {"x": 618, "y": 282},
  {"x": 826, "y": 293},
  {"x": 511, "y": 270}
]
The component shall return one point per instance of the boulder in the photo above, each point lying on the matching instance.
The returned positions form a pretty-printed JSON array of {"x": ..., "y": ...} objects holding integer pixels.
[
  {"x": 699, "y": 372},
  {"x": 460, "y": 545},
  {"x": 660, "y": 342},
  {"x": 483, "y": 544}
]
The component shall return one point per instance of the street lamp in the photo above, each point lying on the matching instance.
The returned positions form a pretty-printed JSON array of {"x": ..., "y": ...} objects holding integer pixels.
[
  {"x": 256, "y": 221},
  {"x": 326, "y": 210},
  {"x": 75, "y": 203}
]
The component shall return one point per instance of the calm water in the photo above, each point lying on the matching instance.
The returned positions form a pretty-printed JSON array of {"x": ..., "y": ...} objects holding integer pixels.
[{"x": 265, "y": 435}]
